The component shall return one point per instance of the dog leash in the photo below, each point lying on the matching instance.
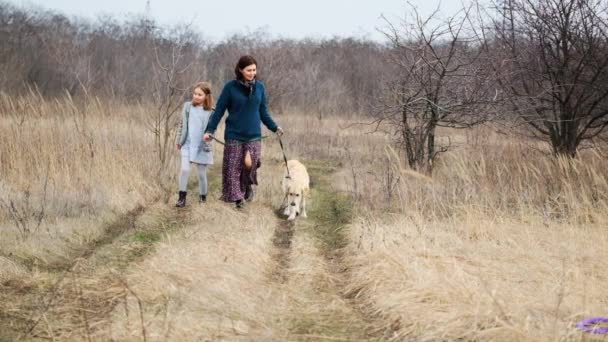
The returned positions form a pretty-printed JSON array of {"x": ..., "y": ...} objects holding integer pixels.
[
  {"x": 287, "y": 167},
  {"x": 238, "y": 142},
  {"x": 284, "y": 156}
]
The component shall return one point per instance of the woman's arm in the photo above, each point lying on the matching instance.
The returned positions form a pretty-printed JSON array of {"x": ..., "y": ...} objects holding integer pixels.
[
  {"x": 264, "y": 114},
  {"x": 220, "y": 108}
]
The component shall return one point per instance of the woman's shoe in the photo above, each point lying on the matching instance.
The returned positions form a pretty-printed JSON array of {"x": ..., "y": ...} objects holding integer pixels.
[
  {"x": 202, "y": 199},
  {"x": 249, "y": 193},
  {"x": 181, "y": 202},
  {"x": 240, "y": 204}
]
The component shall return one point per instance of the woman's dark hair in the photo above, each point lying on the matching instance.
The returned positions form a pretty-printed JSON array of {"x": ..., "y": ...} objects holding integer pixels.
[{"x": 243, "y": 62}]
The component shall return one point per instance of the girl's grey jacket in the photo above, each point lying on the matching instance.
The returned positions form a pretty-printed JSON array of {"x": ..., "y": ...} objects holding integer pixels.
[{"x": 189, "y": 135}]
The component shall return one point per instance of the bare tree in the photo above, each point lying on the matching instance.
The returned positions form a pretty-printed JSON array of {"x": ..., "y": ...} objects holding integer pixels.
[
  {"x": 441, "y": 80},
  {"x": 554, "y": 69},
  {"x": 171, "y": 83},
  {"x": 114, "y": 58}
]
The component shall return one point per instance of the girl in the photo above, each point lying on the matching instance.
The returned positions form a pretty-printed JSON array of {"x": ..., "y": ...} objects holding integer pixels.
[
  {"x": 245, "y": 100},
  {"x": 189, "y": 139}
]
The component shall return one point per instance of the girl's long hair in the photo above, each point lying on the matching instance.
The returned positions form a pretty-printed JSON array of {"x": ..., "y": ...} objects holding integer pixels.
[{"x": 206, "y": 88}]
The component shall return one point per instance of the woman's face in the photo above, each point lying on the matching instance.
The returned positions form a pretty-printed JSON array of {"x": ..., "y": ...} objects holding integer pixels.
[
  {"x": 249, "y": 72},
  {"x": 198, "y": 96}
]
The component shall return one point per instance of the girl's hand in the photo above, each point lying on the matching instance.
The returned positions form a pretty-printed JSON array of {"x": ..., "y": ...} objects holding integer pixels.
[
  {"x": 280, "y": 131},
  {"x": 179, "y": 147},
  {"x": 207, "y": 137}
]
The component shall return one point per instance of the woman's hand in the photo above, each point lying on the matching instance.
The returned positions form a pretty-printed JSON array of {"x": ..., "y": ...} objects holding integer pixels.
[
  {"x": 207, "y": 137},
  {"x": 280, "y": 131}
]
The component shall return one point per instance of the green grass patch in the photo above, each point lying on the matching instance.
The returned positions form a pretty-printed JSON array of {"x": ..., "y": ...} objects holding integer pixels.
[
  {"x": 331, "y": 213},
  {"x": 312, "y": 325},
  {"x": 339, "y": 323},
  {"x": 117, "y": 227},
  {"x": 147, "y": 237},
  {"x": 319, "y": 168}
]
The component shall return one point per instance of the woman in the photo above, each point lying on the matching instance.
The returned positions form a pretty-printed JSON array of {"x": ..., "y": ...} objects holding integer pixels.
[{"x": 245, "y": 100}]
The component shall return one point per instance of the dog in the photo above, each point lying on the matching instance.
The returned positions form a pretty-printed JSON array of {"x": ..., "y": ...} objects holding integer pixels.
[{"x": 296, "y": 186}]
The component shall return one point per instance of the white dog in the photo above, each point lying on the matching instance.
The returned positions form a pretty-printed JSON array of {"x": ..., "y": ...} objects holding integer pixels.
[{"x": 296, "y": 186}]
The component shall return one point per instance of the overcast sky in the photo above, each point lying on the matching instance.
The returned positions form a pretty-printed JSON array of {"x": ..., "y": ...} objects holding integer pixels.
[{"x": 217, "y": 19}]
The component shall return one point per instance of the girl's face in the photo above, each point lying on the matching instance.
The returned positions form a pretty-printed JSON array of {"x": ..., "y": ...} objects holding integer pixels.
[
  {"x": 249, "y": 72},
  {"x": 198, "y": 96}
]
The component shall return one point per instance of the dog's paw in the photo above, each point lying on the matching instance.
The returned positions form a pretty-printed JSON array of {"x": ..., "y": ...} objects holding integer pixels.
[
  {"x": 304, "y": 214},
  {"x": 291, "y": 217}
]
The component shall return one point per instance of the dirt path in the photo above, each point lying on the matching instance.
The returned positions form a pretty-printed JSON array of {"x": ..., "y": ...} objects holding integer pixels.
[
  {"x": 341, "y": 317},
  {"x": 207, "y": 273},
  {"x": 281, "y": 255},
  {"x": 66, "y": 300}
]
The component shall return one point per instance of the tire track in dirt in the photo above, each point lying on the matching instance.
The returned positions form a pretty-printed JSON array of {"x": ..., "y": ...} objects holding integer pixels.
[
  {"x": 281, "y": 253},
  {"x": 331, "y": 214},
  {"x": 74, "y": 296},
  {"x": 323, "y": 309}
]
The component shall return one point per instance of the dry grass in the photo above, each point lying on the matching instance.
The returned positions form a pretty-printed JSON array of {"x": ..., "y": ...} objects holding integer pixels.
[
  {"x": 200, "y": 284},
  {"x": 217, "y": 280},
  {"x": 66, "y": 302},
  {"x": 502, "y": 243},
  {"x": 74, "y": 165},
  {"x": 477, "y": 279},
  {"x": 499, "y": 178}
]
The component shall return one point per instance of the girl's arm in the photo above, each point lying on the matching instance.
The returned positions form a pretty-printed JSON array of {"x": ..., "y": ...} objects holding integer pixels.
[
  {"x": 220, "y": 108},
  {"x": 180, "y": 127}
]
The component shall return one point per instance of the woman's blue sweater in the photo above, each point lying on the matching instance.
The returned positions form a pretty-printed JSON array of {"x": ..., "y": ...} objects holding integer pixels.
[{"x": 245, "y": 112}]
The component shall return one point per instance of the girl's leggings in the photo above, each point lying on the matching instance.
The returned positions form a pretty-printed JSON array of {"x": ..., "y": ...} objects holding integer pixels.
[{"x": 185, "y": 173}]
